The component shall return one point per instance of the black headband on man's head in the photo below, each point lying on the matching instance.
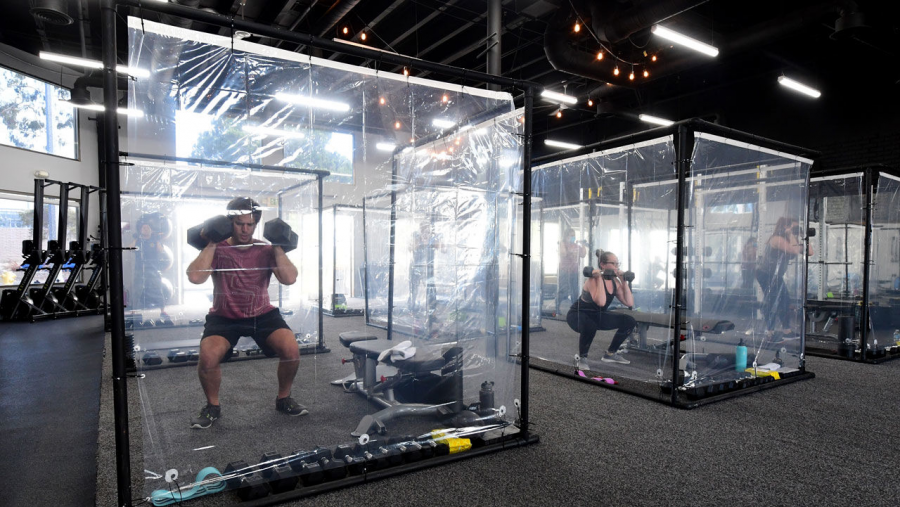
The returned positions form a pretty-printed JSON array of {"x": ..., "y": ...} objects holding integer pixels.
[{"x": 243, "y": 206}]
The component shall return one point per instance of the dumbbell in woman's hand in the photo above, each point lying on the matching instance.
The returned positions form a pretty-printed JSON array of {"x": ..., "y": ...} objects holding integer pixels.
[{"x": 588, "y": 272}]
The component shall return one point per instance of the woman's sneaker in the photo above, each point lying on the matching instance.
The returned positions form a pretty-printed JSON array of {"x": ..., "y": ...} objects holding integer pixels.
[
  {"x": 581, "y": 362},
  {"x": 614, "y": 358},
  {"x": 207, "y": 416},
  {"x": 290, "y": 407}
]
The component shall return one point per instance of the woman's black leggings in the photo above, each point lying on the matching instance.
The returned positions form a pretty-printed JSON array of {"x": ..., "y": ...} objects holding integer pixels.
[
  {"x": 586, "y": 322},
  {"x": 776, "y": 299}
]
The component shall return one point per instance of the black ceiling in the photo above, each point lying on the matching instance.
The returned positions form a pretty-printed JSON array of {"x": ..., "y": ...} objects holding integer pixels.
[{"x": 855, "y": 68}]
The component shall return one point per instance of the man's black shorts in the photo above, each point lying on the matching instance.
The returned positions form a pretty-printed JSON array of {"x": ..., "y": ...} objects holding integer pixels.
[{"x": 259, "y": 328}]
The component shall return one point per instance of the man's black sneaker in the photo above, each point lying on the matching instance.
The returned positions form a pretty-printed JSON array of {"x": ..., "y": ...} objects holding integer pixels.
[
  {"x": 207, "y": 415},
  {"x": 290, "y": 407}
]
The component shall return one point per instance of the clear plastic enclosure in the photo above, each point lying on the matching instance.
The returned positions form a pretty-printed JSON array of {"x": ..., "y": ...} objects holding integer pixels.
[
  {"x": 610, "y": 224},
  {"x": 400, "y": 197},
  {"x": 836, "y": 291}
]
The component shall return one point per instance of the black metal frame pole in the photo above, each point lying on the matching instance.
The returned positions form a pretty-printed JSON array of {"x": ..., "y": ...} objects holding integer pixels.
[
  {"x": 869, "y": 183},
  {"x": 526, "y": 261},
  {"x": 629, "y": 203},
  {"x": 333, "y": 253},
  {"x": 684, "y": 144},
  {"x": 321, "y": 344},
  {"x": 391, "y": 248},
  {"x": 114, "y": 233},
  {"x": 37, "y": 232},
  {"x": 280, "y": 285},
  {"x": 62, "y": 221},
  {"x": 805, "y": 281},
  {"x": 365, "y": 261}
]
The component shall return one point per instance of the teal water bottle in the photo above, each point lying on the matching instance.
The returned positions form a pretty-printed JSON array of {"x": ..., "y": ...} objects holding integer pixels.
[{"x": 740, "y": 356}]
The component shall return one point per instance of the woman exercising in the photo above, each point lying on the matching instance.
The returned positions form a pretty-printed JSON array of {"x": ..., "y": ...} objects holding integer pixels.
[
  {"x": 781, "y": 248},
  {"x": 589, "y": 313}
]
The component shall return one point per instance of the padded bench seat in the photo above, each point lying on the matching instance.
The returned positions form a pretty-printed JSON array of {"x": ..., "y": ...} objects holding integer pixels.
[
  {"x": 419, "y": 363},
  {"x": 349, "y": 337}
]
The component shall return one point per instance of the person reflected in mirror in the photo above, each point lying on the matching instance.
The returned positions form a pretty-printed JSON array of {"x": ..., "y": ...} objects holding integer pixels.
[
  {"x": 150, "y": 259},
  {"x": 241, "y": 268},
  {"x": 590, "y": 314},
  {"x": 571, "y": 253},
  {"x": 781, "y": 248},
  {"x": 748, "y": 263}
]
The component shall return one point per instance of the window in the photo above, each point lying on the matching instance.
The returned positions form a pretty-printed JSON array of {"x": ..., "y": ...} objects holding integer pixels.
[
  {"x": 223, "y": 138},
  {"x": 33, "y": 117},
  {"x": 16, "y": 219}
]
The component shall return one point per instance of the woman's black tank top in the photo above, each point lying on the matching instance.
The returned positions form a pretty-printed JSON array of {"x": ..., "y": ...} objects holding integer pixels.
[{"x": 586, "y": 296}]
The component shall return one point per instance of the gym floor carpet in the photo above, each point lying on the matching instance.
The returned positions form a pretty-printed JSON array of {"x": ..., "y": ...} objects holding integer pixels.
[{"x": 830, "y": 441}]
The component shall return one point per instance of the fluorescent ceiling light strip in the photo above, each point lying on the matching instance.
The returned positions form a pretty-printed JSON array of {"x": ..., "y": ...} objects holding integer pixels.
[
  {"x": 655, "y": 119},
  {"x": 385, "y": 146},
  {"x": 442, "y": 123},
  {"x": 559, "y": 97},
  {"x": 305, "y": 100},
  {"x": 799, "y": 87},
  {"x": 560, "y": 144},
  {"x": 83, "y": 62},
  {"x": 134, "y": 71},
  {"x": 684, "y": 40},
  {"x": 92, "y": 64},
  {"x": 137, "y": 113},
  {"x": 269, "y": 131}
]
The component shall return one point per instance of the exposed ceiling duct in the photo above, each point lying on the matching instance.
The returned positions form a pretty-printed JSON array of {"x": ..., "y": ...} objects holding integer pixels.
[
  {"x": 610, "y": 22},
  {"x": 54, "y": 12}
]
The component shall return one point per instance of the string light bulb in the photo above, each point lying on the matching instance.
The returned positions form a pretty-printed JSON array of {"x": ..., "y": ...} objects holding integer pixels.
[
  {"x": 444, "y": 99},
  {"x": 631, "y": 76},
  {"x": 559, "y": 113},
  {"x": 599, "y": 55},
  {"x": 646, "y": 73},
  {"x": 362, "y": 36},
  {"x": 397, "y": 125},
  {"x": 590, "y": 103},
  {"x": 653, "y": 58},
  {"x": 346, "y": 30},
  {"x": 577, "y": 27},
  {"x": 616, "y": 71},
  {"x": 381, "y": 100},
  {"x": 405, "y": 71}
]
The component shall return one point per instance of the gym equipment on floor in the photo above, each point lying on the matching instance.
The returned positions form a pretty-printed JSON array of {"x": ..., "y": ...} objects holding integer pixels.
[{"x": 428, "y": 382}]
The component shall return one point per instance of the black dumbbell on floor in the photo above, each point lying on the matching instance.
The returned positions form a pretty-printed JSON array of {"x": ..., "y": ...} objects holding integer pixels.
[{"x": 215, "y": 230}]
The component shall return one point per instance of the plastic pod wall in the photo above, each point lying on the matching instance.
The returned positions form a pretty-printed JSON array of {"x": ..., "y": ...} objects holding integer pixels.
[
  {"x": 320, "y": 282},
  {"x": 611, "y": 223}
]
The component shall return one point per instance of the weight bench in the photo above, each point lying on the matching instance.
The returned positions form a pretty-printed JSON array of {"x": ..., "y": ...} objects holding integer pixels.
[
  {"x": 699, "y": 326},
  {"x": 349, "y": 382},
  {"x": 428, "y": 383}
]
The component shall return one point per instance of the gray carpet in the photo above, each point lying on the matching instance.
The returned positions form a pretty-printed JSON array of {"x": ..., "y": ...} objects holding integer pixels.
[
  {"x": 49, "y": 380},
  {"x": 826, "y": 441}
]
